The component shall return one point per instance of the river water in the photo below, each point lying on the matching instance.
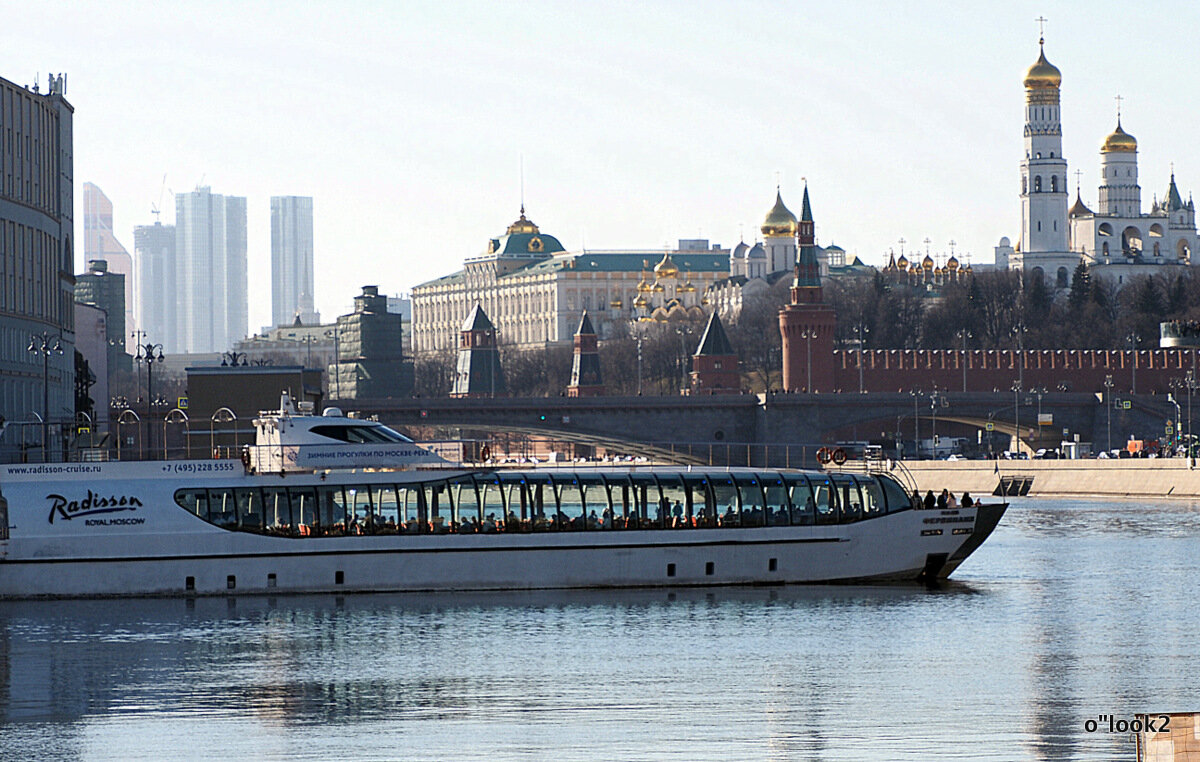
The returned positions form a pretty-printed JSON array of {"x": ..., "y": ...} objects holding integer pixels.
[{"x": 1071, "y": 610}]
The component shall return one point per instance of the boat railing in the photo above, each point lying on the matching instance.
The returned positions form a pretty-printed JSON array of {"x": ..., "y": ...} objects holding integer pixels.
[{"x": 173, "y": 437}]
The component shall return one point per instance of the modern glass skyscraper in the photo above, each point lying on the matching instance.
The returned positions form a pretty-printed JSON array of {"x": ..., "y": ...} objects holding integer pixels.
[
  {"x": 154, "y": 247},
  {"x": 99, "y": 242},
  {"x": 292, "y": 260},
  {"x": 210, "y": 271}
]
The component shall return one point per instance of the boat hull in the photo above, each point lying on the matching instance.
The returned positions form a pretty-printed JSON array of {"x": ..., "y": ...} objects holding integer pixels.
[{"x": 156, "y": 548}]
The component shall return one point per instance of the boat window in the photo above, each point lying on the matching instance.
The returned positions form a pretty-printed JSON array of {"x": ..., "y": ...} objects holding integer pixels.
[
  {"x": 439, "y": 506},
  {"x": 648, "y": 502},
  {"x": 725, "y": 498},
  {"x": 571, "y": 514},
  {"x": 304, "y": 509},
  {"x": 358, "y": 499},
  {"x": 411, "y": 503},
  {"x": 872, "y": 493},
  {"x": 679, "y": 513},
  {"x": 359, "y": 434},
  {"x": 331, "y": 509},
  {"x": 595, "y": 500},
  {"x": 516, "y": 501},
  {"x": 800, "y": 494},
  {"x": 222, "y": 507},
  {"x": 897, "y": 498},
  {"x": 250, "y": 509},
  {"x": 751, "y": 491},
  {"x": 3, "y": 518},
  {"x": 193, "y": 501},
  {"x": 493, "y": 506},
  {"x": 467, "y": 514},
  {"x": 278, "y": 510},
  {"x": 825, "y": 498},
  {"x": 777, "y": 500},
  {"x": 622, "y": 498},
  {"x": 702, "y": 505},
  {"x": 848, "y": 496},
  {"x": 387, "y": 510}
]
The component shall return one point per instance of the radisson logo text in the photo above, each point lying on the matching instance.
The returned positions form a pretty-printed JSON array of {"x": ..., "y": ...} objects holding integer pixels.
[{"x": 90, "y": 505}]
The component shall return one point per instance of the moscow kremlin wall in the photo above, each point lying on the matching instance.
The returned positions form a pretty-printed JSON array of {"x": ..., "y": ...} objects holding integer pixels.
[{"x": 810, "y": 363}]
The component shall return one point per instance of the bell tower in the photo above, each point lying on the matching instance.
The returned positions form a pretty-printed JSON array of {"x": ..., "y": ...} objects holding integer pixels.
[{"x": 1043, "y": 170}]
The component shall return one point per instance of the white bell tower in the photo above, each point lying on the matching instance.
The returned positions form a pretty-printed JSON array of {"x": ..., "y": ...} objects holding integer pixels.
[{"x": 1043, "y": 170}]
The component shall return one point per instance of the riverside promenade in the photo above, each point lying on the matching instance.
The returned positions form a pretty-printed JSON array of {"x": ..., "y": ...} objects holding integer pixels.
[{"x": 1132, "y": 478}]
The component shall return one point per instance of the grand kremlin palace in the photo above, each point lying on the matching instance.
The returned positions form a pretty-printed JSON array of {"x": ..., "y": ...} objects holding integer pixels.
[{"x": 534, "y": 290}]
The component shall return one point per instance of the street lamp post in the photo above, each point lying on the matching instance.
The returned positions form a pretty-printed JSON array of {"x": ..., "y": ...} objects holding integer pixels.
[
  {"x": 964, "y": 334},
  {"x": 1020, "y": 331},
  {"x": 916, "y": 395},
  {"x": 1132, "y": 338},
  {"x": 808, "y": 335},
  {"x": 150, "y": 353},
  {"x": 1016, "y": 390},
  {"x": 1190, "y": 379},
  {"x": 860, "y": 330},
  {"x": 933, "y": 403},
  {"x": 1108, "y": 385},
  {"x": 45, "y": 344},
  {"x": 138, "y": 336}
]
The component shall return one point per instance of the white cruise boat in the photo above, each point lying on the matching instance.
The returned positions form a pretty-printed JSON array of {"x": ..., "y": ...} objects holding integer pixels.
[{"x": 327, "y": 503}]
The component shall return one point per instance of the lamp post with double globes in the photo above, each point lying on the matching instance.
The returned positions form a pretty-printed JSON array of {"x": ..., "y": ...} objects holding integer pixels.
[
  {"x": 45, "y": 344},
  {"x": 150, "y": 353}
]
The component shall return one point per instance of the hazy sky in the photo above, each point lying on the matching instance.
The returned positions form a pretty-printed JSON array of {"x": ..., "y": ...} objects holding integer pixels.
[{"x": 640, "y": 123}]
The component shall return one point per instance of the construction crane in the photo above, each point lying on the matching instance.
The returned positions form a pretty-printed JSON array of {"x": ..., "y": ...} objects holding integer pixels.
[{"x": 155, "y": 209}]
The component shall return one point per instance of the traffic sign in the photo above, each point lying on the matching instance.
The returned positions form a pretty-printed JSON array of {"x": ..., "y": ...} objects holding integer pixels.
[{"x": 991, "y": 426}]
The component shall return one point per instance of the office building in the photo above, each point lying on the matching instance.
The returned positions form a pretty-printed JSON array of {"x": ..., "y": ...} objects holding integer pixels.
[
  {"x": 36, "y": 259},
  {"x": 292, "y": 261},
  {"x": 154, "y": 247},
  {"x": 104, "y": 289},
  {"x": 210, "y": 271}
]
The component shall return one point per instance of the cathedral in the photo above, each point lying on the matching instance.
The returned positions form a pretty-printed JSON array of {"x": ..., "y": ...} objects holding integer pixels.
[{"x": 1118, "y": 240}]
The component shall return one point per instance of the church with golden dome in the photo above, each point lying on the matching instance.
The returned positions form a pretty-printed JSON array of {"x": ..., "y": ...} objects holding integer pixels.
[{"x": 1118, "y": 239}]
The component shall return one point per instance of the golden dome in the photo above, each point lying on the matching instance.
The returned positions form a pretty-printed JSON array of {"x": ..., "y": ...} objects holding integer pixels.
[
  {"x": 666, "y": 267},
  {"x": 1119, "y": 141},
  {"x": 927, "y": 262},
  {"x": 780, "y": 222},
  {"x": 1042, "y": 74},
  {"x": 522, "y": 225},
  {"x": 902, "y": 262},
  {"x": 952, "y": 263}
]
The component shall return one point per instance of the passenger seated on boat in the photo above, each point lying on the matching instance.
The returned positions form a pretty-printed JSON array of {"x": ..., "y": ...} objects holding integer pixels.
[
  {"x": 729, "y": 518},
  {"x": 606, "y": 518},
  {"x": 967, "y": 502},
  {"x": 489, "y": 523},
  {"x": 592, "y": 521}
]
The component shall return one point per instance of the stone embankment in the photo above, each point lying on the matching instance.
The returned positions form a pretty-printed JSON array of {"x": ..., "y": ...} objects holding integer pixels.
[{"x": 1133, "y": 478}]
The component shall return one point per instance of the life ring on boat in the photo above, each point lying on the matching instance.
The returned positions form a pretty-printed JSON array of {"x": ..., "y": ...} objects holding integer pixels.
[
  {"x": 824, "y": 456},
  {"x": 839, "y": 456},
  {"x": 485, "y": 453}
]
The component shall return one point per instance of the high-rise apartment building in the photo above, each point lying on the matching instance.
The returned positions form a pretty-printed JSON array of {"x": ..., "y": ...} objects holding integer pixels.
[
  {"x": 37, "y": 294},
  {"x": 210, "y": 270},
  {"x": 154, "y": 247},
  {"x": 292, "y": 261},
  {"x": 100, "y": 243}
]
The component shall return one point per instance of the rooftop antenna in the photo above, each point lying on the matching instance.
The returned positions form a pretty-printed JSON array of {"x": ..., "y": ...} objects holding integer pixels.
[{"x": 522, "y": 184}]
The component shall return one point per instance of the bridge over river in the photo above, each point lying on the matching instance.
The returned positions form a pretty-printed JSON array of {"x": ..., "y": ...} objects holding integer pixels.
[{"x": 778, "y": 427}]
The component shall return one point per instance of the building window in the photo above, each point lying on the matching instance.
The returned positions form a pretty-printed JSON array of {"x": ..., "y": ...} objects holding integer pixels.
[
  {"x": 1037, "y": 184},
  {"x": 1054, "y": 183}
]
